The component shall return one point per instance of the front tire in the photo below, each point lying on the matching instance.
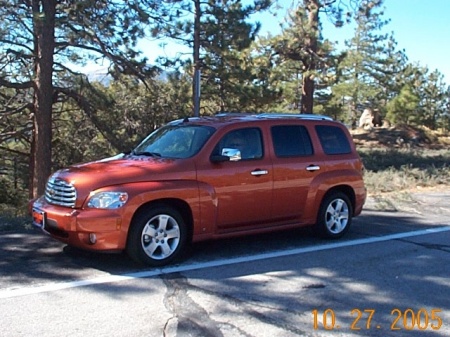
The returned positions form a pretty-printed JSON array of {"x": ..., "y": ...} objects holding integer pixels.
[
  {"x": 157, "y": 236},
  {"x": 335, "y": 216}
]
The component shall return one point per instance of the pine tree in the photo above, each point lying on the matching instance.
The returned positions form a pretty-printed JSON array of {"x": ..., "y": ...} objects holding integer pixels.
[
  {"x": 403, "y": 108},
  {"x": 369, "y": 60},
  {"x": 434, "y": 100},
  {"x": 306, "y": 54},
  {"x": 219, "y": 33},
  {"x": 300, "y": 43},
  {"x": 43, "y": 37},
  {"x": 426, "y": 92}
]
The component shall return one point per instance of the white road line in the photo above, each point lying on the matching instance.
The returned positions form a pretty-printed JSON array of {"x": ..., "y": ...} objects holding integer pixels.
[{"x": 14, "y": 292}]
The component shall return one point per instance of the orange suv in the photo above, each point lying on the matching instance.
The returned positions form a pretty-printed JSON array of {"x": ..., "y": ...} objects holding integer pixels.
[{"x": 208, "y": 178}]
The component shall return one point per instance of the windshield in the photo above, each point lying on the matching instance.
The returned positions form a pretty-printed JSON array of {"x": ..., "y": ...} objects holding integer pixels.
[{"x": 175, "y": 141}]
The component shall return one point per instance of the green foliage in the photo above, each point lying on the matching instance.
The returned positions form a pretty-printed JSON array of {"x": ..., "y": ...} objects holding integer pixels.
[
  {"x": 401, "y": 109},
  {"x": 434, "y": 106},
  {"x": 44, "y": 38},
  {"x": 228, "y": 81},
  {"x": 305, "y": 55},
  {"x": 365, "y": 68},
  {"x": 422, "y": 100}
]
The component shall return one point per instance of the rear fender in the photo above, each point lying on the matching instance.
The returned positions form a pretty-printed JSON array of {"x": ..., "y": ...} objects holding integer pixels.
[{"x": 347, "y": 181}]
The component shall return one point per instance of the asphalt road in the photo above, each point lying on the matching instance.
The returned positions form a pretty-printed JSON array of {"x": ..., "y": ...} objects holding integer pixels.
[{"x": 388, "y": 277}]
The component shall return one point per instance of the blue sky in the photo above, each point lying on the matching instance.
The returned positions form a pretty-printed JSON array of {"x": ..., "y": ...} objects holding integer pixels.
[{"x": 421, "y": 28}]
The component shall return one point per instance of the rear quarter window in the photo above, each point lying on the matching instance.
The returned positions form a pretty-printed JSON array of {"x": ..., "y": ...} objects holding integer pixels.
[
  {"x": 291, "y": 141},
  {"x": 333, "y": 139}
]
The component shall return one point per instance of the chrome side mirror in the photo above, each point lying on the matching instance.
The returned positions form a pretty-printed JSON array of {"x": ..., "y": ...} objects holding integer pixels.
[{"x": 233, "y": 154}]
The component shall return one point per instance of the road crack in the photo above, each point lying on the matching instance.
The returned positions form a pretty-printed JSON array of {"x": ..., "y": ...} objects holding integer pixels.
[
  {"x": 189, "y": 318},
  {"x": 435, "y": 246}
]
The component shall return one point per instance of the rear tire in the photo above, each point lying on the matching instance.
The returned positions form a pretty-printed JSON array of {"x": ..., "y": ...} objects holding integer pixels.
[
  {"x": 335, "y": 216},
  {"x": 157, "y": 236}
]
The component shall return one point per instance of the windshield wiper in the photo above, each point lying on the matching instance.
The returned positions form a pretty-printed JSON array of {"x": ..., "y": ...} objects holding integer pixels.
[{"x": 146, "y": 153}]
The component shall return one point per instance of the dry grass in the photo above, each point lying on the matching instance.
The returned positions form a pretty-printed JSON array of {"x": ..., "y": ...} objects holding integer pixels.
[
  {"x": 393, "y": 174},
  {"x": 400, "y": 170}
]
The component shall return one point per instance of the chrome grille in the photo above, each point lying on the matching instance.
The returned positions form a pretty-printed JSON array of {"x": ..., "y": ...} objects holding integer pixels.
[{"x": 60, "y": 192}]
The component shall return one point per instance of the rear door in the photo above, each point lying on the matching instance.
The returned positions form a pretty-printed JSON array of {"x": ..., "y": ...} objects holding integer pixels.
[{"x": 294, "y": 167}]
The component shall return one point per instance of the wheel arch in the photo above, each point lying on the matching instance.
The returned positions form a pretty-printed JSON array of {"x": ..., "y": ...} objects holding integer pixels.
[
  {"x": 321, "y": 225},
  {"x": 179, "y": 205},
  {"x": 347, "y": 190}
]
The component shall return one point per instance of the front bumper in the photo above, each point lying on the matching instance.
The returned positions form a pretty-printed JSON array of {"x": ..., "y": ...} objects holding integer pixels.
[{"x": 79, "y": 227}]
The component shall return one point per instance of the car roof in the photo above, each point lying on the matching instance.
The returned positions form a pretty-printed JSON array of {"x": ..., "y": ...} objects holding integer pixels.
[{"x": 223, "y": 119}]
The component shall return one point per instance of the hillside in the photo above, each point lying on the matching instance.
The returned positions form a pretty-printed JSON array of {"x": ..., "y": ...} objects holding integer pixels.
[{"x": 401, "y": 136}]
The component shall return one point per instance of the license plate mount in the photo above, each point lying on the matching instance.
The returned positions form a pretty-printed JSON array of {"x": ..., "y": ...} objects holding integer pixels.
[{"x": 38, "y": 218}]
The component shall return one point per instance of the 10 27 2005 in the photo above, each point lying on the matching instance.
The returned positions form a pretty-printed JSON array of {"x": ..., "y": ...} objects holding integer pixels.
[{"x": 366, "y": 319}]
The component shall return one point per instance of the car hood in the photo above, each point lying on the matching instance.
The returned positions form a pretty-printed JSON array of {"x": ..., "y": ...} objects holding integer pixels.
[{"x": 123, "y": 169}]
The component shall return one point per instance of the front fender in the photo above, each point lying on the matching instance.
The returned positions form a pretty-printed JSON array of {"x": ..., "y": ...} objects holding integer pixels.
[{"x": 199, "y": 197}]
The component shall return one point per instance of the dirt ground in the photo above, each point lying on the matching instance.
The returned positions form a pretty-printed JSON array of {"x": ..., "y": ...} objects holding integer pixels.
[
  {"x": 418, "y": 201},
  {"x": 401, "y": 136}
]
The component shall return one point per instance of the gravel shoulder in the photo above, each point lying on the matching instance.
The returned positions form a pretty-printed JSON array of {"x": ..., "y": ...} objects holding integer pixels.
[{"x": 425, "y": 202}]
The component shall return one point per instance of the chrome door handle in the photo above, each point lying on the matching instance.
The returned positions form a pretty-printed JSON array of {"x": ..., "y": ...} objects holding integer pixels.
[
  {"x": 313, "y": 168},
  {"x": 259, "y": 172}
]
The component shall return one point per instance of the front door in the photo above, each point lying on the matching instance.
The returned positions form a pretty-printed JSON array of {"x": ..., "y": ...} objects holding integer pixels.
[{"x": 243, "y": 187}]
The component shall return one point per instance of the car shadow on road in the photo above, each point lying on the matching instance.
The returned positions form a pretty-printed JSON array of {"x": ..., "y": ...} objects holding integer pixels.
[{"x": 34, "y": 256}]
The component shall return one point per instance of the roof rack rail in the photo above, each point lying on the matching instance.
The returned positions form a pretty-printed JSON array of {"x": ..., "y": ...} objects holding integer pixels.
[
  {"x": 225, "y": 114},
  {"x": 275, "y": 115},
  {"x": 301, "y": 116}
]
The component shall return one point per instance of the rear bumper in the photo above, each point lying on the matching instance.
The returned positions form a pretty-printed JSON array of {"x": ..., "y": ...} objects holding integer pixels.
[{"x": 361, "y": 197}]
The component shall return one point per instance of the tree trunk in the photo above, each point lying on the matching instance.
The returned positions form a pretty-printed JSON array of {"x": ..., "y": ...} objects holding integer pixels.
[
  {"x": 311, "y": 46},
  {"x": 44, "y": 29},
  {"x": 307, "y": 95}
]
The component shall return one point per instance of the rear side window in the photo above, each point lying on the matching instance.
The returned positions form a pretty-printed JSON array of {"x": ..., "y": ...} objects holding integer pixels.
[
  {"x": 291, "y": 141},
  {"x": 333, "y": 139}
]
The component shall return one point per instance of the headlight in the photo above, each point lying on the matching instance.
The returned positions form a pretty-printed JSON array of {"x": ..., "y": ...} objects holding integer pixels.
[{"x": 108, "y": 200}]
